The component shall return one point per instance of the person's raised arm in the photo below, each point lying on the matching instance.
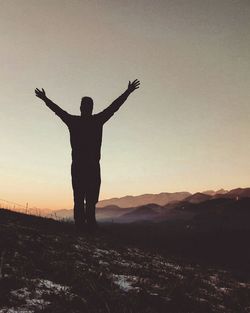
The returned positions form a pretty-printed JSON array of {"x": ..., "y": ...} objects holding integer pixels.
[
  {"x": 50, "y": 104},
  {"x": 117, "y": 103}
]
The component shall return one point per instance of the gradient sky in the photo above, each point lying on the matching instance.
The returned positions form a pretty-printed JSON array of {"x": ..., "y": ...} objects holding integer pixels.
[{"x": 186, "y": 128}]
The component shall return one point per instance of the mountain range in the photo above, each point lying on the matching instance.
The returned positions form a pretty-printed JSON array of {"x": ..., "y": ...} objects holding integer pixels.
[
  {"x": 179, "y": 206},
  {"x": 134, "y": 201}
]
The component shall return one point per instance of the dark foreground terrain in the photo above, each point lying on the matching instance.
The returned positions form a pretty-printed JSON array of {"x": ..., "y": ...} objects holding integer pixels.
[{"x": 46, "y": 267}]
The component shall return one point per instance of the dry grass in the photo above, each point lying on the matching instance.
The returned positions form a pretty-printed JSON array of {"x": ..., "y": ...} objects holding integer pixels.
[{"x": 47, "y": 267}]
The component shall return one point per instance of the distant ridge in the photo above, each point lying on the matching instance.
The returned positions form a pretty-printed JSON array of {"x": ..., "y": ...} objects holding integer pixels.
[
  {"x": 213, "y": 193},
  {"x": 198, "y": 197},
  {"x": 157, "y": 206},
  {"x": 239, "y": 192},
  {"x": 135, "y": 201}
]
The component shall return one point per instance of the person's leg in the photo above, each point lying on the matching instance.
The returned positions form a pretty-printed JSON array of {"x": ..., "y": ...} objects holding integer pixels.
[
  {"x": 90, "y": 214},
  {"x": 92, "y": 193},
  {"x": 78, "y": 193},
  {"x": 79, "y": 214}
]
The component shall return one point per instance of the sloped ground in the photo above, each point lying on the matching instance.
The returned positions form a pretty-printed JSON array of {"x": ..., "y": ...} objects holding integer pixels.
[{"x": 46, "y": 267}]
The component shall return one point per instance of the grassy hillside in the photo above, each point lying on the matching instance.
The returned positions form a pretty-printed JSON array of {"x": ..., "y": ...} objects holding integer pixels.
[{"x": 47, "y": 267}]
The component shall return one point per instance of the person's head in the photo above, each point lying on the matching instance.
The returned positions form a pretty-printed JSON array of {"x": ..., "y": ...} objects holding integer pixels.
[{"x": 86, "y": 106}]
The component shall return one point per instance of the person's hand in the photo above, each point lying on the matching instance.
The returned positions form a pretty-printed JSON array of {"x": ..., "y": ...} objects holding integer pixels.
[
  {"x": 40, "y": 94},
  {"x": 134, "y": 85}
]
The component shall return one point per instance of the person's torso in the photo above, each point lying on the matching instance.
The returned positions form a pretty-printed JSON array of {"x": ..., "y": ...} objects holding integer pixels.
[{"x": 85, "y": 138}]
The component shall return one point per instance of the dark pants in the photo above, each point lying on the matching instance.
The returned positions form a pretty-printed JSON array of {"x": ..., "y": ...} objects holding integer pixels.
[{"x": 86, "y": 181}]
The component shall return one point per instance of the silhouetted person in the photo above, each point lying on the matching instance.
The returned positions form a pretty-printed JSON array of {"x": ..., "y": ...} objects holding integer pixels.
[{"x": 86, "y": 138}]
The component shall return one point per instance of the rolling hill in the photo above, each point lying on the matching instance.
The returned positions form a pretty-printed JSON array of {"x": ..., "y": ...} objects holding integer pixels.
[{"x": 47, "y": 267}]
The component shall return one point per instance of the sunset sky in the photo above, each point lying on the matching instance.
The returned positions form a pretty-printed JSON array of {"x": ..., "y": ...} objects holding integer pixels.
[{"x": 186, "y": 129}]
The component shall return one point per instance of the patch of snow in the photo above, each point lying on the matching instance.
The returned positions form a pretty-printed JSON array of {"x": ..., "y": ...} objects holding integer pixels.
[
  {"x": 201, "y": 300},
  {"x": 78, "y": 247},
  {"x": 224, "y": 290},
  {"x": 244, "y": 285},
  {"x": 153, "y": 294},
  {"x": 37, "y": 303},
  {"x": 51, "y": 285},
  {"x": 172, "y": 265},
  {"x": 114, "y": 253},
  {"x": 214, "y": 278},
  {"x": 179, "y": 276},
  {"x": 100, "y": 252},
  {"x": 123, "y": 263},
  {"x": 34, "y": 298},
  {"x": 34, "y": 302},
  {"x": 125, "y": 282},
  {"x": 212, "y": 282},
  {"x": 21, "y": 293},
  {"x": 103, "y": 263}
]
